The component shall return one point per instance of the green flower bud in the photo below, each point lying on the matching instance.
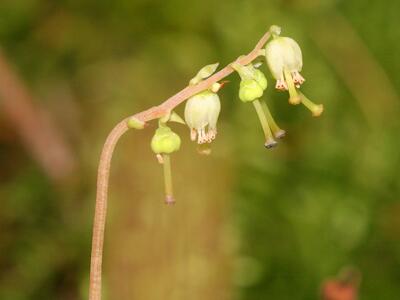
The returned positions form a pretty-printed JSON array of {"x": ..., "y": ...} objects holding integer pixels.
[
  {"x": 253, "y": 82},
  {"x": 250, "y": 90},
  {"x": 165, "y": 141},
  {"x": 260, "y": 78},
  {"x": 204, "y": 72}
]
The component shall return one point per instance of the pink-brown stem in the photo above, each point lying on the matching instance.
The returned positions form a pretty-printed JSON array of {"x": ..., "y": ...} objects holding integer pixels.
[{"x": 107, "y": 152}]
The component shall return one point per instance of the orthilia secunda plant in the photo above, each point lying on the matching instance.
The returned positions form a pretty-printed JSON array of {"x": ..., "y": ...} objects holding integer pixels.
[{"x": 284, "y": 59}]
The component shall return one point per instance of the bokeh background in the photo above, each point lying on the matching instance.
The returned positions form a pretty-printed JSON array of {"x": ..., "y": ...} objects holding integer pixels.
[{"x": 248, "y": 223}]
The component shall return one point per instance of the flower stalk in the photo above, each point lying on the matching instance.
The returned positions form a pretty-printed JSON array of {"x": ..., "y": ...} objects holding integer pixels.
[
  {"x": 169, "y": 195},
  {"x": 269, "y": 139}
]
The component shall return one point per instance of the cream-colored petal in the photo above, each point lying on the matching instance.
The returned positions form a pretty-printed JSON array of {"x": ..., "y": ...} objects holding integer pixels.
[
  {"x": 293, "y": 55},
  {"x": 275, "y": 58}
]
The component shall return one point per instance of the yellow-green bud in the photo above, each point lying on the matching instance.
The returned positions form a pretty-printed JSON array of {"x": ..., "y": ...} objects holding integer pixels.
[
  {"x": 165, "y": 141},
  {"x": 204, "y": 72},
  {"x": 250, "y": 90},
  {"x": 260, "y": 78}
]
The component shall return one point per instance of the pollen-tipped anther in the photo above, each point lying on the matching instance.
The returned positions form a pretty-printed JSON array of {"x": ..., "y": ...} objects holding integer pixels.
[
  {"x": 297, "y": 78},
  {"x": 281, "y": 85},
  {"x": 270, "y": 144}
]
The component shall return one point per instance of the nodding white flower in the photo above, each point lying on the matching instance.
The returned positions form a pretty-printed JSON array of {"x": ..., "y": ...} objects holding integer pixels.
[
  {"x": 285, "y": 61},
  {"x": 201, "y": 115}
]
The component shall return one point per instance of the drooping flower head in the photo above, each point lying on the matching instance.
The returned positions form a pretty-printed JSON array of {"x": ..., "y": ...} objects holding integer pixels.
[
  {"x": 285, "y": 60},
  {"x": 163, "y": 143},
  {"x": 202, "y": 110},
  {"x": 201, "y": 115},
  {"x": 252, "y": 86}
]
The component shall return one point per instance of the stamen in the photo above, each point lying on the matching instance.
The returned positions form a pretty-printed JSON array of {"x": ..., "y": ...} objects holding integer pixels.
[
  {"x": 193, "y": 134},
  {"x": 209, "y": 136},
  {"x": 199, "y": 136},
  {"x": 294, "y": 97},
  {"x": 212, "y": 133},
  {"x": 297, "y": 78},
  {"x": 169, "y": 197},
  {"x": 269, "y": 140},
  {"x": 281, "y": 85},
  {"x": 316, "y": 109},
  {"x": 203, "y": 137},
  {"x": 278, "y": 132}
]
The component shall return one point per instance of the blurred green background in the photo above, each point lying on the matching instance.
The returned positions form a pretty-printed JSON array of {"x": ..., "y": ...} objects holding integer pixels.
[{"x": 248, "y": 223}]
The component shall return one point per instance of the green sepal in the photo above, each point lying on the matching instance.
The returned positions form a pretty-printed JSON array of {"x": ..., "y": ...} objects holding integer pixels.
[
  {"x": 171, "y": 117},
  {"x": 260, "y": 78},
  {"x": 204, "y": 72},
  {"x": 176, "y": 118}
]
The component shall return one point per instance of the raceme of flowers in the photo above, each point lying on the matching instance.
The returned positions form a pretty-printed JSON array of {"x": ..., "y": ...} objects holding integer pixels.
[{"x": 284, "y": 59}]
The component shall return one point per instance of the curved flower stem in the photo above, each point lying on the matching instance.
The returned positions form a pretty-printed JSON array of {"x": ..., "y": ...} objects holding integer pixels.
[
  {"x": 101, "y": 209},
  {"x": 108, "y": 149}
]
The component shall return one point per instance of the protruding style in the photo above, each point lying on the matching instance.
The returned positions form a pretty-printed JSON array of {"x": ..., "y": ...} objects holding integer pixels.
[{"x": 252, "y": 86}]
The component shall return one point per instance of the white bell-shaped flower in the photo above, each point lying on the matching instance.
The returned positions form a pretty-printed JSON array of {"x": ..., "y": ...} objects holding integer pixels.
[
  {"x": 285, "y": 60},
  {"x": 284, "y": 55},
  {"x": 201, "y": 115}
]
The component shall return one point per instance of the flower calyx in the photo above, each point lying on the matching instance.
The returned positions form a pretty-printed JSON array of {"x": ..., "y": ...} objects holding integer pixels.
[{"x": 253, "y": 82}]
